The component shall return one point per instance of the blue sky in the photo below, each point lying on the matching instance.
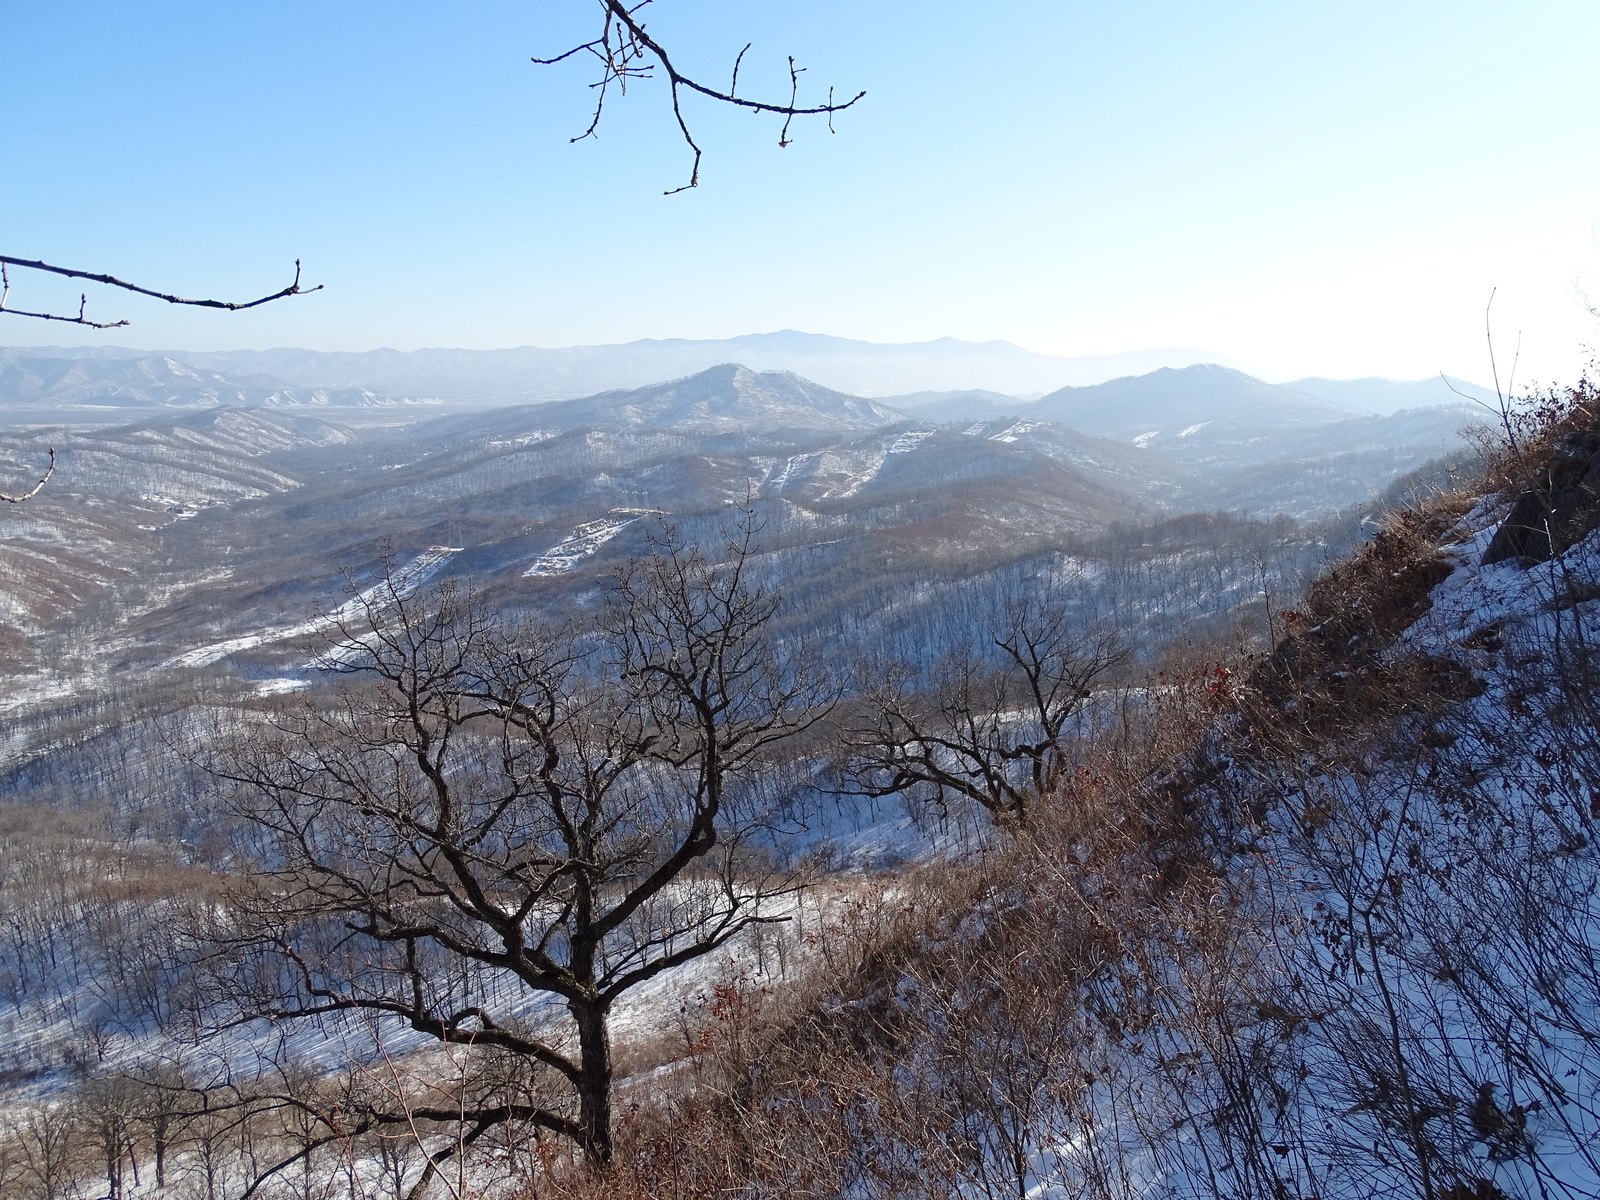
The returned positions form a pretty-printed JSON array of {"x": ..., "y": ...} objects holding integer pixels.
[{"x": 1328, "y": 189}]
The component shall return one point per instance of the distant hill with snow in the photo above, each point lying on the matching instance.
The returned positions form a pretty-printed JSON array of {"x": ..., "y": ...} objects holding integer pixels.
[{"x": 525, "y": 373}]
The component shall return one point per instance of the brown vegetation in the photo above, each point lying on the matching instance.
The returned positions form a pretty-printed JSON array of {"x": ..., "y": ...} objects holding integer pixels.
[{"x": 1316, "y": 923}]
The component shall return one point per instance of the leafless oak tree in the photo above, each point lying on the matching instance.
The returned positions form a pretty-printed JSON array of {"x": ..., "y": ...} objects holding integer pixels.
[
  {"x": 999, "y": 736},
  {"x": 492, "y": 815},
  {"x": 627, "y": 51}
]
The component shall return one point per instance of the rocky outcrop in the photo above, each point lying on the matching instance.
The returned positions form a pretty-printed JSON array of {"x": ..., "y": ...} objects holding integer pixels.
[{"x": 1559, "y": 510}]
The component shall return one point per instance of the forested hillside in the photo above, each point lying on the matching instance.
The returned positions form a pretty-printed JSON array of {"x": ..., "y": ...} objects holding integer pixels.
[
  {"x": 918, "y": 816},
  {"x": 1314, "y": 922}
]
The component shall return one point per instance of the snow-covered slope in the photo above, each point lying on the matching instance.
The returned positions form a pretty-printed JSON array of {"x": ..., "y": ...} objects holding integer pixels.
[
  {"x": 727, "y": 398},
  {"x": 35, "y": 383},
  {"x": 1321, "y": 923}
]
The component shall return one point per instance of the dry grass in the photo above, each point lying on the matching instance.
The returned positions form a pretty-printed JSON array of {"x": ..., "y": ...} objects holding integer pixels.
[
  {"x": 964, "y": 1022},
  {"x": 1332, "y": 672},
  {"x": 945, "y": 1025},
  {"x": 1027, "y": 977}
]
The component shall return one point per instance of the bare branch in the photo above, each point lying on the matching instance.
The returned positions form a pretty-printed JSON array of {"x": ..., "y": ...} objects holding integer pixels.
[
  {"x": 981, "y": 725},
  {"x": 80, "y": 319},
  {"x": 36, "y": 487},
  {"x": 6, "y": 260},
  {"x": 626, "y": 51}
]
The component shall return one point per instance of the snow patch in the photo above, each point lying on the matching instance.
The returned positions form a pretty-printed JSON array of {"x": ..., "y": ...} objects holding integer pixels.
[
  {"x": 784, "y": 473},
  {"x": 583, "y": 541},
  {"x": 279, "y": 687},
  {"x": 400, "y": 585},
  {"x": 910, "y": 440},
  {"x": 527, "y": 439},
  {"x": 1015, "y": 430}
]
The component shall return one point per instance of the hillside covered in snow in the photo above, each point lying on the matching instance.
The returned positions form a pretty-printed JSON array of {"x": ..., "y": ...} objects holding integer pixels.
[{"x": 1305, "y": 908}]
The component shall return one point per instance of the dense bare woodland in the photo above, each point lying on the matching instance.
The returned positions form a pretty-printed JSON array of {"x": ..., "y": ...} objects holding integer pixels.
[
  {"x": 1192, "y": 858},
  {"x": 778, "y": 766}
]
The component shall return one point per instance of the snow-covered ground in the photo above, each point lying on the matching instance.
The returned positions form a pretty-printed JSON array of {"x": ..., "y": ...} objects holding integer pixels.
[
  {"x": 578, "y": 545},
  {"x": 910, "y": 440},
  {"x": 403, "y": 582},
  {"x": 1015, "y": 430}
]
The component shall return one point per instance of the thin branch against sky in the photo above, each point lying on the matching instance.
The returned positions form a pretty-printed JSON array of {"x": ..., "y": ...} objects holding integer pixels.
[{"x": 1304, "y": 191}]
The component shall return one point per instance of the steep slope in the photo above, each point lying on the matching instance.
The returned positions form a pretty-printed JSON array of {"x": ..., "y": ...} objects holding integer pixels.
[{"x": 1323, "y": 922}]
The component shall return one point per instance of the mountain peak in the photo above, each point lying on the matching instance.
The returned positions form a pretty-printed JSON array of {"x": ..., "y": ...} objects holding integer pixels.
[{"x": 731, "y": 396}]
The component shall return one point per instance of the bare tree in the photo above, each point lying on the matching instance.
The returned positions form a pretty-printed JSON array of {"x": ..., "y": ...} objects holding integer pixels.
[
  {"x": 46, "y": 1139},
  {"x": 626, "y": 51},
  {"x": 489, "y": 816},
  {"x": 998, "y": 735},
  {"x": 107, "y": 1114}
]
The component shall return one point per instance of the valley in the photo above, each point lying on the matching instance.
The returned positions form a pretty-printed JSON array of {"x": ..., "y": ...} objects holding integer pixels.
[
  {"x": 160, "y": 541},
  {"x": 198, "y": 576}
]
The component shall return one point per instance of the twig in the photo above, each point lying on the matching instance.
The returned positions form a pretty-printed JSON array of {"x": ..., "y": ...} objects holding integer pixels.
[
  {"x": 6, "y": 260},
  {"x": 80, "y": 319},
  {"x": 626, "y": 51},
  {"x": 30, "y": 495},
  {"x": 1500, "y": 396}
]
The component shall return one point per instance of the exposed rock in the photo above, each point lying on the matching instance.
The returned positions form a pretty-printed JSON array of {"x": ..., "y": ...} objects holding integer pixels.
[{"x": 1559, "y": 511}]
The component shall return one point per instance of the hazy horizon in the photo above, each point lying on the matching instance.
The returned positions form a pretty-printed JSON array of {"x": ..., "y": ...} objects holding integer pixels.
[
  {"x": 1303, "y": 192},
  {"x": 1197, "y": 356}
]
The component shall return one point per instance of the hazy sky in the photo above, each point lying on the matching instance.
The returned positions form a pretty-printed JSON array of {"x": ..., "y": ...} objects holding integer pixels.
[{"x": 1328, "y": 189}]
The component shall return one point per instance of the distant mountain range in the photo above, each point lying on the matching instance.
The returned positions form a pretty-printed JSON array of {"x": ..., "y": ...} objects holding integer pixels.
[
  {"x": 1167, "y": 398},
  {"x": 28, "y": 380},
  {"x": 209, "y": 537},
  {"x": 946, "y": 380},
  {"x": 527, "y": 373}
]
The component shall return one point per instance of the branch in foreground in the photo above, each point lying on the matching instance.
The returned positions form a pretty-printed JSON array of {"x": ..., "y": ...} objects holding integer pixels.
[
  {"x": 6, "y": 260},
  {"x": 9, "y": 499},
  {"x": 626, "y": 51}
]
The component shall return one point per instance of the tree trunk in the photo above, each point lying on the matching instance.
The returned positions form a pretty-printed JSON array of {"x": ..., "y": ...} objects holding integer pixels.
[{"x": 594, "y": 1083}]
